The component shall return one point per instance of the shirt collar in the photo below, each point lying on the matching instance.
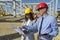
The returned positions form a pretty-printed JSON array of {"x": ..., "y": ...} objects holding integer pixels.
[{"x": 45, "y": 15}]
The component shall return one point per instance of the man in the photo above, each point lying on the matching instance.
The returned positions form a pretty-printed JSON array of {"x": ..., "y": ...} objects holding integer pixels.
[{"x": 46, "y": 25}]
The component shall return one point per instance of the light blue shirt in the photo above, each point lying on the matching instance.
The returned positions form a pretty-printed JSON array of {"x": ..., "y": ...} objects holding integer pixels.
[{"x": 49, "y": 25}]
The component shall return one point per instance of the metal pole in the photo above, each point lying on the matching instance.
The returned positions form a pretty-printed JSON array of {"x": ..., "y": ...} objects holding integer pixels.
[
  {"x": 50, "y": 8},
  {"x": 53, "y": 6},
  {"x": 14, "y": 6},
  {"x": 20, "y": 6},
  {"x": 56, "y": 5}
]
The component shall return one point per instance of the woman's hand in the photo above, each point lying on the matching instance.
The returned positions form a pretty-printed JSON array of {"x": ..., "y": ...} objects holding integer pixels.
[{"x": 21, "y": 27}]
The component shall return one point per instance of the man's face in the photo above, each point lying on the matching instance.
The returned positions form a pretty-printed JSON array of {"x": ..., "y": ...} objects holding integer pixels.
[{"x": 42, "y": 11}]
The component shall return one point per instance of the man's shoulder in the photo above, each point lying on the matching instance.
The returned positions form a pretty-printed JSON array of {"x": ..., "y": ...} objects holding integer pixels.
[{"x": 50, "y": 16}]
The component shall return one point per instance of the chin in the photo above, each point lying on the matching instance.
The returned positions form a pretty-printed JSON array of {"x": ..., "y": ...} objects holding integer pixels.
[{"x": 40, "y": 14}]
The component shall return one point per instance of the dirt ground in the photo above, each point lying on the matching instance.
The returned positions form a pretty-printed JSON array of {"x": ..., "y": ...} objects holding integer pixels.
[{"x": 6, "y": 32}]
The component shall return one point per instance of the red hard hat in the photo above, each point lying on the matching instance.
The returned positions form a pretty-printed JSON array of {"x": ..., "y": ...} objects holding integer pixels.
[{"x": 41, "y": 5}]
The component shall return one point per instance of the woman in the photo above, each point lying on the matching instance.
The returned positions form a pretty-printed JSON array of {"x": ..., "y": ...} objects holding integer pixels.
[{"x": 28, "y": 21}]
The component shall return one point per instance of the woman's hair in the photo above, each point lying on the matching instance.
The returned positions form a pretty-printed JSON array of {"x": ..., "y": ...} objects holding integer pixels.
[{"x": 31, "y": 16}]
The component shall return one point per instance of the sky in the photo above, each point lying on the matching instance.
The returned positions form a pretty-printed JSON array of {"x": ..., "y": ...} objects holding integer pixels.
[
  {"x": 10, "y": 9},
  {"x": 42, "y": 1},
  {"x": 58, "y": 3},
  {"x": 38, "y": 1}
]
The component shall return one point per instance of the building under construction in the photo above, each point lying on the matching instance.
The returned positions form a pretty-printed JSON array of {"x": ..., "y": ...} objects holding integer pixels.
[{"x": 17, "y": 7}]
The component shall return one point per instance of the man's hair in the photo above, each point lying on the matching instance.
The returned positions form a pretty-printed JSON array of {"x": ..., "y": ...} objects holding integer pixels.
[{"x": 42, "y": 8}]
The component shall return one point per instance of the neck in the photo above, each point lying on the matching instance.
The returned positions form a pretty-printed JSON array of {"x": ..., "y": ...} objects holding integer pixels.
[
  {"x": 44, "y": 14},
  {"x": 35, "y": 19}
]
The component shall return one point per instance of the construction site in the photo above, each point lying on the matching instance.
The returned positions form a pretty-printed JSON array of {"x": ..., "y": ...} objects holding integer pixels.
[{"x": 12, "y": 14}]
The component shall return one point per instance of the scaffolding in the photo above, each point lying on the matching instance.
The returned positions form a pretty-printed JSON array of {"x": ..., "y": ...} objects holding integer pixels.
[
  {"x": 13, "y": 4},
  {"x": 52, "y": 6}
]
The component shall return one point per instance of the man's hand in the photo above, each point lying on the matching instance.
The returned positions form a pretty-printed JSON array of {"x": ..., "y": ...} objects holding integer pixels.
[{"x": 25, "y": 31}]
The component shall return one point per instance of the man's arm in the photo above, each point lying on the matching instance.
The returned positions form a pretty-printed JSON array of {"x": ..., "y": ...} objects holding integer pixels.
[
  {"x": 32, "y": 28},
  {"x": 54, "y": 27}
]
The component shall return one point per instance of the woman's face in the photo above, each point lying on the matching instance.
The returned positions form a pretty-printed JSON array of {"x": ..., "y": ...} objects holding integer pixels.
[{"x": 28, "y": 16}]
